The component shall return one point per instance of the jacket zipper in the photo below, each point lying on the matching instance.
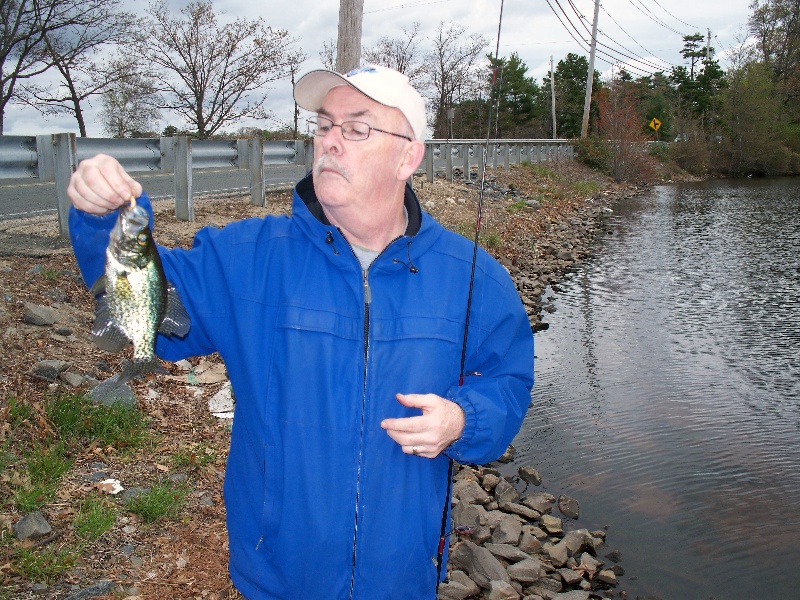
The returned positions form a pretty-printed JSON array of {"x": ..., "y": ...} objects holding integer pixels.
[{"x": 367, "y": 302}]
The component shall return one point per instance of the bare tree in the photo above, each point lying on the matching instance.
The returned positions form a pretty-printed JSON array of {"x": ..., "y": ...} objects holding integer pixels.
[
  {"x": 131, "y": 100},
  {"x": 327, "y": 55},
  {"x": 211, "y": 74},
  {"x": 453, "y": 71},
  {"x": 26, "y": 24},
  {"x": 70, "y": 50},
  {"x": 399, "y": 53}
]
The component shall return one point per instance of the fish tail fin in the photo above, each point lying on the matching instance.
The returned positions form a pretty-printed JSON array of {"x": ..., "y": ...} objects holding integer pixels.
[{"x": 136, "y": 368}]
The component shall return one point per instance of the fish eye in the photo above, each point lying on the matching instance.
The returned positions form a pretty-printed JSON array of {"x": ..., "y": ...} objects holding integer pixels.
[{"x": 142, "y": 239}]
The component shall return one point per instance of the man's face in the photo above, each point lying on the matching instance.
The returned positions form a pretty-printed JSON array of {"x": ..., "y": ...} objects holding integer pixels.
[{"x": 359, "y": 175}]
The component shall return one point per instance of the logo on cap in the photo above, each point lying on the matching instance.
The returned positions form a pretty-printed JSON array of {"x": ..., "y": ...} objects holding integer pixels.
[{"x": 361, "y": 70}]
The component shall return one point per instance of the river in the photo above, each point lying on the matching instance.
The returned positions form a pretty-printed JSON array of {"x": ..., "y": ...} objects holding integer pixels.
[{"x": 667, "y": 395}]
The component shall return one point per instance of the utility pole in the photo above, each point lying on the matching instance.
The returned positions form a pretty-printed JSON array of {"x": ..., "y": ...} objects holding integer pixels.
[
  {"x": 590, "y": 76},
  {"x": 348, "y": 44},
  {"x": 553, "y": 95}
]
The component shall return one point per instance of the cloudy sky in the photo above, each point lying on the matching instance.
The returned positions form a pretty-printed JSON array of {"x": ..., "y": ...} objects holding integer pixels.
[{"x": 645, "y": 30}]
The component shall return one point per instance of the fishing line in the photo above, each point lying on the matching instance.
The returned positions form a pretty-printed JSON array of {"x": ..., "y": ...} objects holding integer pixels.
[{"x": 445, "y": 512}]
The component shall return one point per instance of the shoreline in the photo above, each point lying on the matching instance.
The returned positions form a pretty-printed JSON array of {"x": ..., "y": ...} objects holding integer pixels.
[{"x": 539, "y": 221}]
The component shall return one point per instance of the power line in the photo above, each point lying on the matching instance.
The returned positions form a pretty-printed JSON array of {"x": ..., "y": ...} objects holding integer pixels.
[
  {"x": 614, "y": 59},
  {"x": 608, "y": 14},
  {"x": 645, "y": 12},
  {"x": 674, "y": 17}
]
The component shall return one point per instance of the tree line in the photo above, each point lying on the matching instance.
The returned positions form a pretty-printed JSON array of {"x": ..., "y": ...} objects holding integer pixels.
[{"x": 60, "y": 55}]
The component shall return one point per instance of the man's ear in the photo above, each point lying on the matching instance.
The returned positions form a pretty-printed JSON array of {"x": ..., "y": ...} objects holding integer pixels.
[{"x": 411, "y": 159}]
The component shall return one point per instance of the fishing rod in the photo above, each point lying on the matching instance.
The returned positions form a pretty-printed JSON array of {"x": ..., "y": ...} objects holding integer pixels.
[{"x": 445, "y": 511}]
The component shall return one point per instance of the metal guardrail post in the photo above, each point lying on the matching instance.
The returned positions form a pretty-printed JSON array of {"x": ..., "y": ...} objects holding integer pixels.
[
  {"x": 448, "y": 161},
  {"x": 494, "y": 155},
  {"x": 44, "y": 156},
  {"x": 466, "y": 150},
  {"x": 507, "y": 156},
  {"x": 429, "y": 162},
  {"x": 167, "y": 149},
  {"x": 255, "y": 149},
  {"x": 65, "y": 163},
  {"x": 243, "y": 154},
  {"x": 184, "y": 206},
  {"x": 308, "y": 154}
]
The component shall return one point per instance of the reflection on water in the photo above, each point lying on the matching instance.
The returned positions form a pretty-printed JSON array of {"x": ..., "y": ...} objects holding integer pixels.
[{"x": 667, "y": 395}]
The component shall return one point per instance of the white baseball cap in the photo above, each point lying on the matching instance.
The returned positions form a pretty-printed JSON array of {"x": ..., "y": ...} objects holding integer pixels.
[{"x": 385, "y": 86}]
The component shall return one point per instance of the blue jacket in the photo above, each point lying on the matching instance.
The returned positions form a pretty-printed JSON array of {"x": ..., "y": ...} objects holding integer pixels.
[{"x": 321, "y": 503}]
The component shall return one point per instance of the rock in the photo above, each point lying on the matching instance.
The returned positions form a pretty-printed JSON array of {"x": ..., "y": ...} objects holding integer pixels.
[
  {"x": 530, "y": 475},
  {"x": 614, "y": 556},
  {"x": 569, "y": 507},
  {"x": 458, "y": 587},
  {"x": 573, "y": 595},
  {"x": 552, "y": 525},
  {"x": 507, "y": 552},
  {"x": 527, "y": 571},
  {"x": 528, "y": 543},
  {"x": 521, "y": 510},
  {"x": 36, "y": 314},
  {"x": 576, "y": 541},
  {"x": 558, "y": 553},
  {"x": 502, "y": 590},
  {"x": 490, "y": 481},
  {"x": 479, "y": 563},
  {"x": 569, "y": 576},
  {"x": 111, "y": 393},
  {"x": 541, "y": 502},
  {"x": 72, "y": 379},
  {"x": 504, "y": 493},
  {"x": 32, "y": 527},
  {"x": 508, "y": 455},
  {"x": 508, "y": 531},
  {"x": 606, "y": 576},
  {"x": 132, "y": 494},
  {"x": 475, "y": 517},
  {"x": 101, "y": 588},
  {"x": 50, "y": 369},
  {"x": 470, "y": 492}
]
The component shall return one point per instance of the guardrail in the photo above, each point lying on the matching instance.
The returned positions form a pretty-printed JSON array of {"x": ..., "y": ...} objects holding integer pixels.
[{"x": 54, "y": 158}]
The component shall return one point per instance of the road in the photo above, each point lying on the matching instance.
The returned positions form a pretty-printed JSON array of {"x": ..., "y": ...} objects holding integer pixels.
[{"x": 20, "y": 198}]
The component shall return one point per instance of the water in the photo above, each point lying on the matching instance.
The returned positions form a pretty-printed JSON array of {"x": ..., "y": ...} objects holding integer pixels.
[{"x": 667, "y": 396}]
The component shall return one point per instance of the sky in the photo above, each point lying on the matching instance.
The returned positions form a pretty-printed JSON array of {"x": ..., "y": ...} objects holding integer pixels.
[{"x": 649, "y": 30}]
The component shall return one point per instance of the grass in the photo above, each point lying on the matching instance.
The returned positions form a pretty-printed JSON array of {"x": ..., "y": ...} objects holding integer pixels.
[
  {"x": 586, "y": 188},
  {"x": 95, "y": 516},
  {"x": 78, "y": 419},
  {"x": 18, "y": 411},
  {"x": 163, "y": 500},
  {"x": 44, "y": 566},
  {"x": 45, "y": 467},
  {"x": 516, "y": 206},
  {"x": 49, "y": 274},
  {"x": 200, "y": 455}
]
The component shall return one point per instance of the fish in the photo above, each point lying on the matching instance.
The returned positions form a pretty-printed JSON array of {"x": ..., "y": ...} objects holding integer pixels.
[{"x": 134, "y": 300}]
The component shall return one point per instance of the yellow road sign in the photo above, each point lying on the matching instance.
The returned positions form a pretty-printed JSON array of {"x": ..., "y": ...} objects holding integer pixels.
[{"x": 655, "y": 124}]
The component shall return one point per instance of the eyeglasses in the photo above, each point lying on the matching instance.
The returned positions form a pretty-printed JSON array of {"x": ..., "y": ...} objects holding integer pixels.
[{"x": 355, "y": 131}]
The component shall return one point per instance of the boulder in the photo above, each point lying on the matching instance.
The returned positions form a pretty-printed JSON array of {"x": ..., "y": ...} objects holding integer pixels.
[
  {"x": 480, "y": 564},
  {"x": 36, "y": 314},
  {"x": 508, "y": 531},
  {"x": 32, "y": 527},
  {"x": 530, "y": 475},
  {"x": 527, "y": 571},
  {"x": 502, "y": 590}
]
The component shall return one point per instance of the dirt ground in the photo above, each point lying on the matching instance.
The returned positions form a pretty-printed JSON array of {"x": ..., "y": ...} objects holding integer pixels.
[{"x": 187, "y": 557}]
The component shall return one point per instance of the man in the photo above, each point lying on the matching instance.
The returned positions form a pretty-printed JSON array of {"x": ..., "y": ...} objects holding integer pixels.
[{"x": 341, "y": 328}]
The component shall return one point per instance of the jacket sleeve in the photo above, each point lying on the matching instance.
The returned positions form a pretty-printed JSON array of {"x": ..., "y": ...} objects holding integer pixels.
[{"x": 495, "y": 394}]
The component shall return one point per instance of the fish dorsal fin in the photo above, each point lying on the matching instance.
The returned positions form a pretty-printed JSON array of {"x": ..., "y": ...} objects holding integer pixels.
[
  {"x": 176, "y": 320},
  {"x": 105, "y": 333}
]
